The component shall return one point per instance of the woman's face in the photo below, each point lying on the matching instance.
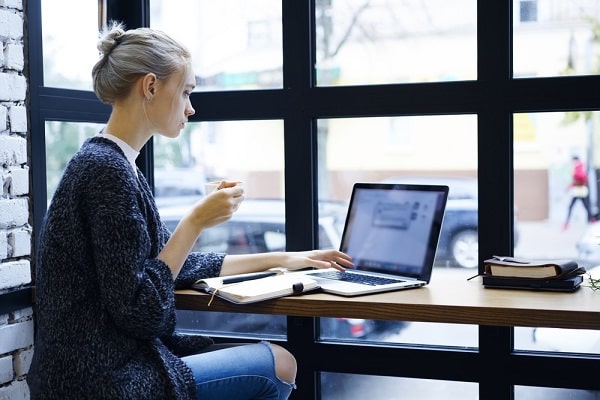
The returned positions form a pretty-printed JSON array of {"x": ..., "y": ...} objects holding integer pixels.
[{"x": 170, "y": 107}]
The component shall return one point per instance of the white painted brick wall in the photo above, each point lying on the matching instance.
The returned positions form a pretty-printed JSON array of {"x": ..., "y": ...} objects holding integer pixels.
[
  {"x": 14, "y": 212},
  {"x": 16, "y": 328},
  {"x": 13, "y": 150},
  {"x": 17, "y": 116},
  {"x": 17, "y": 390},
  {"x": 22, "y": 361},
  {"x": 14, "y": 336},
  {"x": 6, "y": 369},
  {"x": 14, "y": 57},
  {"x": 3, "y": 118},
  {"x": 3, "y": 247},
  {"x": 11, "y": 24},
  {"x": 18, "y": 181},
  {"x": 13, "y": 86},
  {"x": 15, "y": 4},
  {"x": 14, "y": 274},
  {"x": 19, "y": 242}
]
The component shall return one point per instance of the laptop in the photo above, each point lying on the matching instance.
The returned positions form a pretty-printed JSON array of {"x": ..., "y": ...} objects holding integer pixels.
[{"x": 391, "y": 232}]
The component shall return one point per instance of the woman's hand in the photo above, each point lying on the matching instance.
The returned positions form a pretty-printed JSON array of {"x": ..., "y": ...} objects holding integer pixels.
[
  {"x": 318, "y": 259},
  {"x": 218, "y": 206}
]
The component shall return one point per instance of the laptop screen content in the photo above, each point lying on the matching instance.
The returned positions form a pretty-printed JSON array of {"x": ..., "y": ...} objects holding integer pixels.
[{"x": 394, "y": 228}]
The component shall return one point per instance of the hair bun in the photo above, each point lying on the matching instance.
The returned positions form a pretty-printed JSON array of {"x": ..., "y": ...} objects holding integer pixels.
[{"x": 110, "y": 37}]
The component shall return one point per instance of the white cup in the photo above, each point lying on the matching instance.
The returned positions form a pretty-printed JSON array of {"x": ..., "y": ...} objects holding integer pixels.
[{"x": 211, "y": 186}]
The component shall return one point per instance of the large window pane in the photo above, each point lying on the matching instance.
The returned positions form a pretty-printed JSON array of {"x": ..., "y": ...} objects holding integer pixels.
[
  {"x": 64, "y": 37},
  {"x": 63, "y": 140},
  {"x": 544, "y": 147},
  {"x": 555, "y": 37},
  {"x": 398, "y": 149},
  {"x": 236, "y": 44},
  {"x": 247, "y": 151},
  {"x": 377, "y": 42}
]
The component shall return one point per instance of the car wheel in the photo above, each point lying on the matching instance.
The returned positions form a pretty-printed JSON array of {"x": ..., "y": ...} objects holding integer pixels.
[{"x": 464, "y": 249}]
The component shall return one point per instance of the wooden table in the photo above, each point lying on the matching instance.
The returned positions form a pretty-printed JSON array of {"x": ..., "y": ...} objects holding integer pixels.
[{"x": 449, "y": 300}]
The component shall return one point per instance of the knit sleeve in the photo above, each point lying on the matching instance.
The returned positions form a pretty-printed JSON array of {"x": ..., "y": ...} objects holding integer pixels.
[
  {"x": 198, "y": 265},
  {"x": 137, "y": 289}
]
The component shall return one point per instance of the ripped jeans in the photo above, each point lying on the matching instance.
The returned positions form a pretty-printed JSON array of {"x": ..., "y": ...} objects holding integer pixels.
[{"x": 239, "y": 372}]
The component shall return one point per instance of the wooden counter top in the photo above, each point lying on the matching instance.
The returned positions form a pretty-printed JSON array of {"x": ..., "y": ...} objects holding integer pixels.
[{"x": 448, "y": 300}]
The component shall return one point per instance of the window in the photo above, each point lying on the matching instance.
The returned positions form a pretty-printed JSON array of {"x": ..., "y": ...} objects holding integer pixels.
[
  {"x": 236, "y": 44},
  {"x": 555, "y": 38},
  {"x": 381, "y": 41},
  {"x": 300, "y": 102},
  {"x": 61, "y": 40}
]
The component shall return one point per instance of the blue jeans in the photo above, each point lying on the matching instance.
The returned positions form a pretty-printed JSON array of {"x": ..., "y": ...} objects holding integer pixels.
[{"x": 237, "y": 372}]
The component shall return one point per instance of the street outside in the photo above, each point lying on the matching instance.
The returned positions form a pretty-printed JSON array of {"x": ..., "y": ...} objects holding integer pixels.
[{"x": 547, "y": 239}]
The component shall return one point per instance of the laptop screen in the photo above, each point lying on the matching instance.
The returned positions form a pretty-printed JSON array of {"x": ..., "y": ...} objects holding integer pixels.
[{"x": 394, "y": 228}]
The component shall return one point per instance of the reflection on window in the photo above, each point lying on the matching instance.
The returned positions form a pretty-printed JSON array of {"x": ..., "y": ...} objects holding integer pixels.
[
  {"x": 555, "y": 38},
  {"x": 336, "y": 386},
  {"x": 63, "y": 140},
  {"x": 235, "y": 44},
  {"x": 62, "y": 39},
  {"x": 377, "y": 42}
]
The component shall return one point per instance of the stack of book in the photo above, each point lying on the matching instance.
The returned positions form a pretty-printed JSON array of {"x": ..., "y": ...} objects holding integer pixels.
[{"x": 517, "y": 273}]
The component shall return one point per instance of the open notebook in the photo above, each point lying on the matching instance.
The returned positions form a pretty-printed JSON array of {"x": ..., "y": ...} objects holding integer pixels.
[{"x": 391, "y": 233}]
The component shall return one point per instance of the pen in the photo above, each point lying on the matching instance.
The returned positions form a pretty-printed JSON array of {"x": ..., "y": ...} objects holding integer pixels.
[{"x": 247, "y": 277}]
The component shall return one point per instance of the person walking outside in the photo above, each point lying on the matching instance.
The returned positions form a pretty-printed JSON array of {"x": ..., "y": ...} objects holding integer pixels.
[{"x": 579, "y": 191}]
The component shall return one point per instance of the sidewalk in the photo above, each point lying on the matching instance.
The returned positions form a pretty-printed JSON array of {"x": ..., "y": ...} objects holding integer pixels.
[{"x": 546, "y": 239}]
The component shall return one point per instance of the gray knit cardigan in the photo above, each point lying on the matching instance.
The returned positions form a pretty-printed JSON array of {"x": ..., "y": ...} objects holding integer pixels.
[{"x": 105, "y": 308}]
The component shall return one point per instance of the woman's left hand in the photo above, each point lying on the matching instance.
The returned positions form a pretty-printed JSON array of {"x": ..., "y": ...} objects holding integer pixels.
[{"x": 317, "y": 259}]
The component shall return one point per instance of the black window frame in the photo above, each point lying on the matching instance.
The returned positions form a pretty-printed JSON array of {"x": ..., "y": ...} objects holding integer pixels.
[{"x": 494, "y": 97}]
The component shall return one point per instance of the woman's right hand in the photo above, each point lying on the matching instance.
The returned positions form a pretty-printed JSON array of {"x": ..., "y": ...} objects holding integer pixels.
[{"x": 217, "y": 207}]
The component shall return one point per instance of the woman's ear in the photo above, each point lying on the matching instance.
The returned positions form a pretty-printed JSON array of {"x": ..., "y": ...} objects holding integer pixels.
[{"x": 148, "y": 86}]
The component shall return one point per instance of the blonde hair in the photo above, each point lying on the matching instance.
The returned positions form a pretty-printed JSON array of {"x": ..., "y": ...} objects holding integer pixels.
[{"x": 130, "y": 54}]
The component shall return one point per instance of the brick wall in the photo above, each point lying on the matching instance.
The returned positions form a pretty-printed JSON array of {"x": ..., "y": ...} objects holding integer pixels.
[{"x": 16, "y": 328}]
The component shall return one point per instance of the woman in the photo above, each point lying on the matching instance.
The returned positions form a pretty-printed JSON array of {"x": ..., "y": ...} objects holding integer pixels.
[
  {"x": 107, "y": 267},
  {"x": 578, "y": 189}
]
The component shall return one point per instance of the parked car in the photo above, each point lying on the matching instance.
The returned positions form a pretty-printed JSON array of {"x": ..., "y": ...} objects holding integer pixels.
[
  {"x": 458, "y": 244},
  {"x": 259, "y": 226}
]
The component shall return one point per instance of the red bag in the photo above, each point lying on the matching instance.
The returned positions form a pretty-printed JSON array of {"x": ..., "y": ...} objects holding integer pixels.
[{"x": 579, "y": 175}]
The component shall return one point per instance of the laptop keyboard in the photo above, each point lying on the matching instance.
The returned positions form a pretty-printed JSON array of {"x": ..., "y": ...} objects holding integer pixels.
[{"x": 357, "y": 278}]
